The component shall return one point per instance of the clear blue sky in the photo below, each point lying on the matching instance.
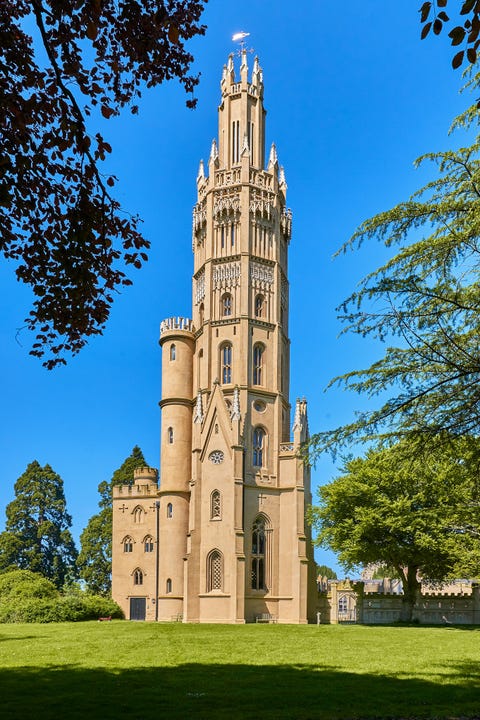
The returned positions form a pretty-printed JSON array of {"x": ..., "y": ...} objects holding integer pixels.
[{"x": 353, "y": 97}]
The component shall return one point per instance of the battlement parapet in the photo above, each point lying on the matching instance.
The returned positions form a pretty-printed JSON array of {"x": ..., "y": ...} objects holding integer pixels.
[
  {"x": 175, "y": 324},
  {"x": 137, "y": 490},
  {"x": 145, "y": 473}
]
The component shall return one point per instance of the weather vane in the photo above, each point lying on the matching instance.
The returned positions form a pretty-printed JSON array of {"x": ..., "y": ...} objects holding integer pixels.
[{"x": 240, "y": 38}]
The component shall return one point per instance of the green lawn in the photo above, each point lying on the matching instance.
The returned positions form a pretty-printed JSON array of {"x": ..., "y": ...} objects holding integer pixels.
[{"x": 138, "y": 671}]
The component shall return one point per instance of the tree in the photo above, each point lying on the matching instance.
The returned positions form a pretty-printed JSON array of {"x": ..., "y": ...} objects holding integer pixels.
[
  {"x": 62, "y": 61},
  {"x": 413, "y": 510},
  {"x": 433, "y": 17},
  {"x": 326, "y": 572},
  {"x": 37, "y": 535},
  {"x": 95, "y": 558},
  {"x": 425, "y": 302}
]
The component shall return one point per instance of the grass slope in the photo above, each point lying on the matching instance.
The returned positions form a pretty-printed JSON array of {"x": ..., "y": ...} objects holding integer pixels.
[{"x": 145, "y": 671}]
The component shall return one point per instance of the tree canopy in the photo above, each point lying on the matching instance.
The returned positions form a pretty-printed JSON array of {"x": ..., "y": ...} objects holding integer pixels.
[
  {"x": 95, "y": 558},
  {"x": 410, "y": 509},
  {"x": 465, "y": 35},
  {"x": 62, "y": 61},
  {"x": 424, "y": 303},
  {"x": 37, "y": 535}
]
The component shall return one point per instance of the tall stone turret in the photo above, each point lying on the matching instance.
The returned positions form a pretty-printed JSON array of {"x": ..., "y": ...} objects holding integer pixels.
[
  {"x": 177, "y": 343},
  {"x": 233, "y": 542}
]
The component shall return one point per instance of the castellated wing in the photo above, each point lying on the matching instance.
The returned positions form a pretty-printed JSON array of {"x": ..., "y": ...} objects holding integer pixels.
[{"x": 227, "y": 520}]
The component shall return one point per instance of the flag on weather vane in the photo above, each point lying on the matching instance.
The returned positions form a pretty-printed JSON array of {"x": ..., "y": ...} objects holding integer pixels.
[{"x": 240, "y": 36}]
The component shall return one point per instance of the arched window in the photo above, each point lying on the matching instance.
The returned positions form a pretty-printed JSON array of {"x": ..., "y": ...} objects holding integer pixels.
[
  {"x": 258, "y": 364},
  {"x": 138, "y": 514},
  {"x": 127, "y": 544},
  {"x": 137, "y": 577},
  {"x": 259, "y": 303},
  {"x": 226, "y": 308},
  {"x": 258, "y": 446},
  {"x": 169, "y": 510},
  {"x": 214, "y": 571},
  {"x": 168, "y": 585},
  {"x": 170, "y": 435},
  {"x": 173, "y": 352},
  {"x": 215, "y": 505},
  {"x": 148, "y": 544},
  {"x": 226, "y": 363},
  {"x": 258, "y": 554}
]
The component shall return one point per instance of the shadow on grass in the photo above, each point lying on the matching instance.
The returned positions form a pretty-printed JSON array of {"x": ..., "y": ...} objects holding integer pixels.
[{"x": 209, "y": 692}]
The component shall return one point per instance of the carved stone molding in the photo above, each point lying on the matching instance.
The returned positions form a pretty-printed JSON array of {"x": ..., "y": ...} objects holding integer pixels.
[
  {"x": 226, "y": 275},
  {"x": 261, "y": 274}
]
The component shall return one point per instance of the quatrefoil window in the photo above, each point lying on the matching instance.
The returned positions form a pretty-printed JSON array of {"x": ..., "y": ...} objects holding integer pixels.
[{"x": 216, "y": 457}]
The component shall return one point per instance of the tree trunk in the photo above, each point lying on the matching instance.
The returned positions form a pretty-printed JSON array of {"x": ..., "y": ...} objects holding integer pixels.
[{"x": 411, "y": 587}]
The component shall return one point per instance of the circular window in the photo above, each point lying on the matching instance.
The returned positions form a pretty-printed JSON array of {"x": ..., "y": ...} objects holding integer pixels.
[
  {"x": 216, "y": 457},
  {"x": 259, "y": 406}
]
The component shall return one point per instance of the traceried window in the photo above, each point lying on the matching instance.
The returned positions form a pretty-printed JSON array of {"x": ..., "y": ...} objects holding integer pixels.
[
  {"x": 168, "y": 585},
  {"x": 258, "y": 351},
  {"x": 138, "y": 514},
  {"x": 226, "y": 363},
  {"x": 258, "y": 446},
  {"x": 259, "y": 305},
  {"x": 258, "y": 554},
  {"x": 215, "y": 505},
  {"x": 127, "y": 544},
  {"x": 226, "y": 304},
  {"x": 148, "y": 544},
  {"x": 173, "y": 352},
  {"x": 169, "y": 510},
  {"x": 342, "y": 604},
  {"x": 137, "y": 577},
  {"x": 214, "y": 571}
]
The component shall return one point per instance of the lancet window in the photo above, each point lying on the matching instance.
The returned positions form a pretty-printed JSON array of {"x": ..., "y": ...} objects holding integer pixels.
[
  {"x": 173, "y": 352},
  {"x": 127, "y": 544},
  {"x": 226, "y": 363},
  {"x": 138, "y": 514},
  {"x": 258, "y": 364},
  {"x": 214, "y": 571},
  {"x": 148, "y": 544},
  {"x": 259, "y": 306},
  {"x": 258, "y": 446},
  {"x": 215, "y": 505},
  {"x": 226, "y": 308},
  {"x": 258, "y": 554}
]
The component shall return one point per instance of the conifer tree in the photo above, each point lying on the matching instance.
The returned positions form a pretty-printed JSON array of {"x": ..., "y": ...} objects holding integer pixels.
[
  {"x": 37, "y": 535},
  {"x": 425, "y": 303},
  {"x": 95, "y": 558}
]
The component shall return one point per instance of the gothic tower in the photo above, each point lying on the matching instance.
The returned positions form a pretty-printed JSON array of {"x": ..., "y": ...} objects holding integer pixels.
[{"x": 232, "y": 541}]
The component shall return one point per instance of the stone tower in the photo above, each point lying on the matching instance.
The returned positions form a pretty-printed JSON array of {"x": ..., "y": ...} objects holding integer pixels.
[{"x": 228, "y": 518}]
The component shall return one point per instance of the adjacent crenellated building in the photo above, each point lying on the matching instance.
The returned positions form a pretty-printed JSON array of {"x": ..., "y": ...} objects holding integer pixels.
[{"x": 223, "y": 537}]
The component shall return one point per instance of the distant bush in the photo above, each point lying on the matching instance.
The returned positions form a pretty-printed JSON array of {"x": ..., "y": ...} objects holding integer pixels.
[
  {"x": 27, "y": 597},
  {"x": 23, "y": 584}
]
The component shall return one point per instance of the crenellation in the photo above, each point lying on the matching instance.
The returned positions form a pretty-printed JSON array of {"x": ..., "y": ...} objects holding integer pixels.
[{"x": 176, "y": 323}]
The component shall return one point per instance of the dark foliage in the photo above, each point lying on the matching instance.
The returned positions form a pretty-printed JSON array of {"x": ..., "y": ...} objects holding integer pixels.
[{"x": 59, "y": 221}]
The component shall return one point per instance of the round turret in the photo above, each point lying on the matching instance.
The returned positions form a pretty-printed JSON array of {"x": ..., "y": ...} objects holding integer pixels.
[{"x": 177, "y": 343}]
